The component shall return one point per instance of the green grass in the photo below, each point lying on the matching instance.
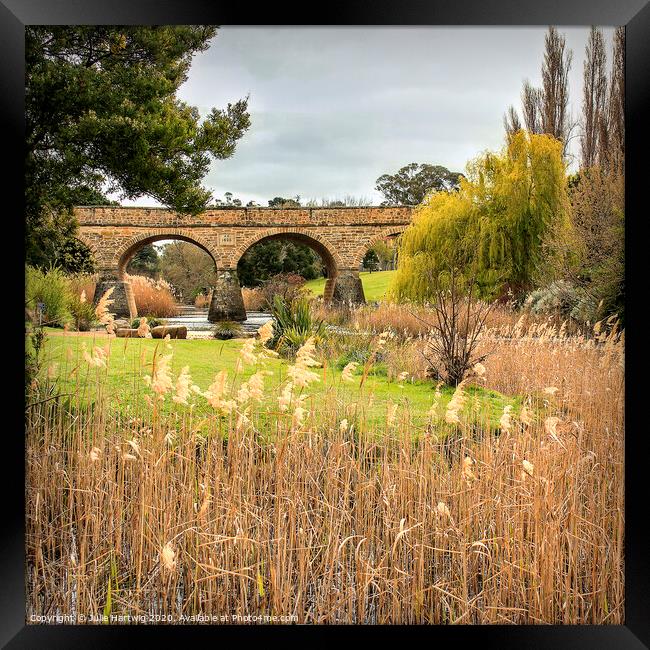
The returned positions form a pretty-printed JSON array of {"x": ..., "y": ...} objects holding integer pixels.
[
  {"x": 131, "y": 359},
  {"x": 375, "y": 284}
]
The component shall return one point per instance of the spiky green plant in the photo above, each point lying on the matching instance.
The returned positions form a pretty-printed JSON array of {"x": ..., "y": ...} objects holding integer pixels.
[
  {"x": 228, "y": 329},
  {"x": 293, "y": 323}
]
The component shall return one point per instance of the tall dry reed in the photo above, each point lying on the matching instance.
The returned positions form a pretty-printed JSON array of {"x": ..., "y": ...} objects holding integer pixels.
[
  {"x": 238, "y": 507},
  {"x": 254, "y": 299},
  {"x": 203, "y": 300},
  {"x": 416, "y": 320},
  {"x": 153, "y": 297}
]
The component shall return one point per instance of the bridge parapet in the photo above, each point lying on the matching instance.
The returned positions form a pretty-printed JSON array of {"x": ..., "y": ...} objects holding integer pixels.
[{"x": 248, "y": 217}]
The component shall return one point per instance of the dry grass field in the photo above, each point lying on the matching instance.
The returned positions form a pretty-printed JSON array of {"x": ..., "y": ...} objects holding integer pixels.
[{"x": 244, "y": 497}]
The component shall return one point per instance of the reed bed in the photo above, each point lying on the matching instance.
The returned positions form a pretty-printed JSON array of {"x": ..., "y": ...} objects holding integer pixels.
[
  {"x": 416, "y": 320},
  {"x": 254, "y": 299},
  {"x": 83, "y": 283},
  {"x": 203, "y": 300},
  {"x": 153, "y": 297},
  {"x": 307, "y": 511}
]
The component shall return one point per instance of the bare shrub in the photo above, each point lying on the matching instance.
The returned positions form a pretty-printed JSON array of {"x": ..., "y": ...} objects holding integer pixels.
[
  {"x": 451, "y": 348},
  {"x": 288, "y": 286}
]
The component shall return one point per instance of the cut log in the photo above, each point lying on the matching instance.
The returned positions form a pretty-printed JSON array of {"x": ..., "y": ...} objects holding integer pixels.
[
  {"x": 126, "y": 333},
  {"x": 174, "y": 331}
]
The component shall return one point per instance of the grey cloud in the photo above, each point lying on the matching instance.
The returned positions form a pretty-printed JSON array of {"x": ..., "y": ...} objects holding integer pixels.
[{"x": 334, "y": 108}]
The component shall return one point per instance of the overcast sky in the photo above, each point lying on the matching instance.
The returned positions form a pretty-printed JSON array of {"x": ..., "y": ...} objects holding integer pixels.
[{"x": 333, "y": 108}]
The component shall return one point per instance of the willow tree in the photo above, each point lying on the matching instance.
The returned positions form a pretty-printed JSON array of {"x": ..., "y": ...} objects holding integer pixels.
[{"x": 507, "y": 227}]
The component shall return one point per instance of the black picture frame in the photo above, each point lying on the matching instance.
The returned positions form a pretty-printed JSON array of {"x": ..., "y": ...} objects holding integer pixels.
[{"x": 635, "y": 14}]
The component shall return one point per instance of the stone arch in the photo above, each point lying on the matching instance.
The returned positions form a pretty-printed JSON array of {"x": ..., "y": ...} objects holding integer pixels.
[
  {"x": 130, "y": 247},
  {"x": 86, "y": 241},
  {"x": 91, "y": 246},
  {"x": 370, "y": 241},
  {"x": 112, "y": 265},
  {"x": 314, "y": 240}
]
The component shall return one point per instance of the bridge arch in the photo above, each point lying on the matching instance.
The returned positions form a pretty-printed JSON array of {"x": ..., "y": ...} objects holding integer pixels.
[
  {"x": 130, "y": 247},
  {"x": 314, "y": 240},
  {"x": 89, "y": 244},
  {"x": 371, "y": 241},
  {"x": 94, "y": 250},
  {"x": 324, "y": 248}
]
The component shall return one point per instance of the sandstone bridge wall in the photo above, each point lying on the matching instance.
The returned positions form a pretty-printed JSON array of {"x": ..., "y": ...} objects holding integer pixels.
[{"x": 341, "y": 236}]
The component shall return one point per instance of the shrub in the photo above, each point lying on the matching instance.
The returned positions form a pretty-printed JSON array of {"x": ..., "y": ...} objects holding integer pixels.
[
  {"x": 82, "y": 290},
  {"x": 83, "y": 312},
  {"x": 152, "y": 321},
  {"x": 227, "y": 330},
  {"x": 50, "y": 290},
  {"x": 153, "y": 297},
  {"x": 293, "y": 324},
  {"x": 564, "y": 299},
  {"x": 34, "y": 356},
  {"x": 598, "y": 210},
  {"x": 289, "y": 286},
  {"x": 357, "y": 349}
]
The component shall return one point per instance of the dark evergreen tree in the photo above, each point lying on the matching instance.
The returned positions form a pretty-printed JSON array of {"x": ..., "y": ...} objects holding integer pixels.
[
  {"x": 102, "y": 113},
  {"x": 268, "y": 258},
  {"x": 145, "y": 262}
]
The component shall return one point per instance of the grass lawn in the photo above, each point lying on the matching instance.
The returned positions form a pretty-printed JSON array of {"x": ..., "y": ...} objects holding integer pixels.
[
  {"x": 131, "y": 359},
  {"x": 375, "y": 284}
]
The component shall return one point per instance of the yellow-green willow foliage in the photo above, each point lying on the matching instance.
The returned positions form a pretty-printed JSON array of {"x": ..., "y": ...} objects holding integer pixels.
[{"x": 506, "y": 225}]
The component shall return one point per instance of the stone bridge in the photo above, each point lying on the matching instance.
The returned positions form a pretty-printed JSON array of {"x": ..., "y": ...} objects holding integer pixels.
[{"x": 341, "y": 236}]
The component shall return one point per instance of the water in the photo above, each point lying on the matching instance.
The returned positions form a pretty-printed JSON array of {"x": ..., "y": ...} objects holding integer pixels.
[{"x": 199, "y": 327}]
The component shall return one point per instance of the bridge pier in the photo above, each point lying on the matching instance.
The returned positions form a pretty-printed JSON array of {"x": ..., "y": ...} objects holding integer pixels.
[
  {"x": 348, "y": 289},
  {"x": 328, "y": 292},
  {"x": 227, "y": 302},
  {"x": 123, "y": 299}
]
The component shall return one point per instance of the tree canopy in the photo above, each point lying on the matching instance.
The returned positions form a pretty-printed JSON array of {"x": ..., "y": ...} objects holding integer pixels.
[
  {"x": 268, "y": 258},
  {"x": 146, "y": 261},
  {"x": 102, "y": 115},
  {"x": 594, "y": 278},
  {"x": 281, "y": 202},
  {"x": 188, "y": 268},
  {"x": 411, "y": 184},
  {"x": 502, "y": 227}
]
